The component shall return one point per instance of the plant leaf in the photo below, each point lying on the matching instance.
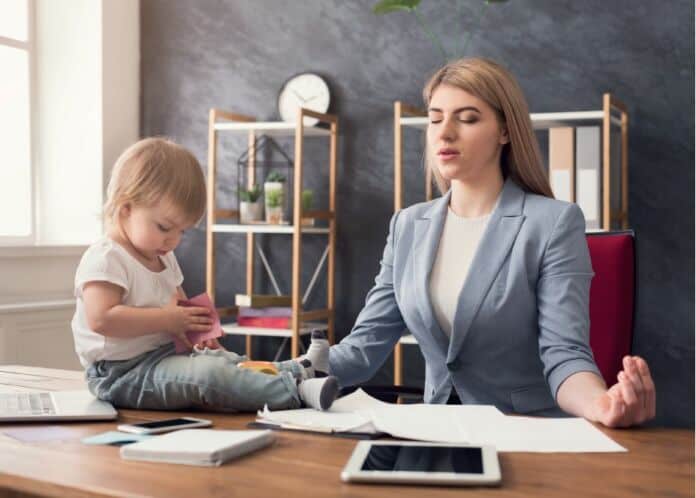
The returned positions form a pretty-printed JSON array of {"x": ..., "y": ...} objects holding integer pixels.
[{"x": 387, "y": 6}]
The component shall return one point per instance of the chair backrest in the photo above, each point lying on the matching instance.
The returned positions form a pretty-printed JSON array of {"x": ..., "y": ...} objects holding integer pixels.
[{"x": 612, "y": 296}]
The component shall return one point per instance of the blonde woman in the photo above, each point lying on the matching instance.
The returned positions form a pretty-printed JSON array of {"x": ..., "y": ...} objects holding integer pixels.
[
  {"x": 492, "y": 278},
  {"x": 127, "y": 286}
]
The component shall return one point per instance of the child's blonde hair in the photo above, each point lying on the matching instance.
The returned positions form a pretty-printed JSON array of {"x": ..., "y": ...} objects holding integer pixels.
[{"x": 153, "y": 170}]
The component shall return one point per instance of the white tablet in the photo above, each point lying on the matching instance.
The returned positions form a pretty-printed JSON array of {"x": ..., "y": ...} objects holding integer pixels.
[{"x": 407, "y": 462}]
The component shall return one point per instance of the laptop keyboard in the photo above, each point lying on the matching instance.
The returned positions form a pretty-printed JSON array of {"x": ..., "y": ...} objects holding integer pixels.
[{"x": 23, "y": 404}]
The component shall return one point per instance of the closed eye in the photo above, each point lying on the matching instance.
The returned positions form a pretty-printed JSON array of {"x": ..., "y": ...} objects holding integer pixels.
[{"x": 163, "y": 228}]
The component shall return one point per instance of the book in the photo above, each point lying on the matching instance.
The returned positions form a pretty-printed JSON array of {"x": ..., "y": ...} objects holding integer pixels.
[
  {"x": 587, "y": 151},
  {"x": 561, "y": 162},
  {"x": 205, "y": 447},
  {"x": 262, "y": 300},
  {"x": 245, "y": 311},
  {"x": 271, "y": 322},
  {"x": 195, "y": 337}
]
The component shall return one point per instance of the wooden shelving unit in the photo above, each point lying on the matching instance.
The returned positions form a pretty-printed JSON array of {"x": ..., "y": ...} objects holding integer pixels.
[
  {"x": 613, "y": 114},
  {"x": 302, "y": 320}
]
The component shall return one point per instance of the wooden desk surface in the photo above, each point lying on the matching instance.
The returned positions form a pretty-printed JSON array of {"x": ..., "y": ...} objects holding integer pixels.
[{"x": 659, "y": 463}]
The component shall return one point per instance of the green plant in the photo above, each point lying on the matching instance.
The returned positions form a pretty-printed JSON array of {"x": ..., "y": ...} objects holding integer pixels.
[
  {"x": 250, "y": 195},
  {"x": 388, "y": 6},
  {"x": 307, "y": 199},
  {"x": 274, "y": 198},
  {"x": 275, "y": 176}
]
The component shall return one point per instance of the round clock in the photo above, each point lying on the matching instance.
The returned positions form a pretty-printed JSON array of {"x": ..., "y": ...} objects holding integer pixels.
[{"x": 306, "y": 90}]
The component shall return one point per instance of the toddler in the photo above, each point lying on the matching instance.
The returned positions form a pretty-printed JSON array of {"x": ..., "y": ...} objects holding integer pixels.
[{"x": 127, "y": 286}]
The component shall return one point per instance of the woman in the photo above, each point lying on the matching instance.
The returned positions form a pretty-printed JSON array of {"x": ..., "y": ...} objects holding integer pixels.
[{"x": 492, "y": 278}]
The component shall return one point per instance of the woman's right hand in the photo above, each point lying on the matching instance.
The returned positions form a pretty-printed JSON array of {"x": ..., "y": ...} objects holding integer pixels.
[{"x": 184, "y": 318}]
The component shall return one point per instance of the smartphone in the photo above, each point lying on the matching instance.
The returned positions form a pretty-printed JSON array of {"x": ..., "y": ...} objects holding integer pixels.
[{"x": 166, "y": 425}]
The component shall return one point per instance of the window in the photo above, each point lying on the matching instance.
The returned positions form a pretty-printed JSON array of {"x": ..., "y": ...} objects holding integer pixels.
[{"x": 16, "y": 178}]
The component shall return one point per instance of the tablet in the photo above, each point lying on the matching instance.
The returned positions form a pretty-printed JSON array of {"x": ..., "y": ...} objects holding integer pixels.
[{"x": 407, "y": 462}]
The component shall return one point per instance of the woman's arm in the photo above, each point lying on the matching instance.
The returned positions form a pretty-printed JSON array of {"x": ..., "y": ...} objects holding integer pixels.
[
  {"x": 564, "y": 336},
  {"x": 629, "y": 402},
  {"x": 377, "y": 329}
]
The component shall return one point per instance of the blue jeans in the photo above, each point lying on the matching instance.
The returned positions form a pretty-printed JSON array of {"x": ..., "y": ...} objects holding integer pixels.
[{"x": 205, "y": 379}]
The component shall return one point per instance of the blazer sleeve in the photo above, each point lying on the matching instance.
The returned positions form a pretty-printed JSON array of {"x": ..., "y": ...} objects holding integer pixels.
[
  {"x": 377, "y": 329},
  {"x": 563, "y": 295}
]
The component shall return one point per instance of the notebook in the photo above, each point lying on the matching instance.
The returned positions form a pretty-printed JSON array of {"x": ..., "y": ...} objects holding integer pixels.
[
  {"x": 60, "y": 405},
  {"x": 205, "y": 447}
]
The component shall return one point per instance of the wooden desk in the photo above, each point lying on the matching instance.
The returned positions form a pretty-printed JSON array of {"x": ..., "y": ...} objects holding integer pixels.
[{"x": 660, "y": 463}]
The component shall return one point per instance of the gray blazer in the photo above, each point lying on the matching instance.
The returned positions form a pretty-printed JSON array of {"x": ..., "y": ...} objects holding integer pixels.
[{"x": 522, "y": 323}]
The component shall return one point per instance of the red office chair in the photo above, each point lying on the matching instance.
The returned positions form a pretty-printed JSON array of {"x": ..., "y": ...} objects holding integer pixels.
[{"x": 612, "y": 297}]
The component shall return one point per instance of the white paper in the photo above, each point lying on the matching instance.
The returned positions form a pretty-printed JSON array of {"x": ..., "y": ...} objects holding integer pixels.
[
  {"x": 472, "y": 424},
  {"x": 544, "y": 435},
  {"x": 588, "y": 196}
]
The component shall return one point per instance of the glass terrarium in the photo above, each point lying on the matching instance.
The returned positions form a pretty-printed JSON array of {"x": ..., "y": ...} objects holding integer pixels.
[{"x": 266, "y": 199}]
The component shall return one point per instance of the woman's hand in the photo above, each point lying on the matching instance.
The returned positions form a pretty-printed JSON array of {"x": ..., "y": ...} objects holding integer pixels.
[{"x": 631, "y": 400}]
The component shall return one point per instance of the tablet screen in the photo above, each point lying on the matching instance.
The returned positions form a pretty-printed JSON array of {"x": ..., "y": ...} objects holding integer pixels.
[{"x": 424, "y": 459}]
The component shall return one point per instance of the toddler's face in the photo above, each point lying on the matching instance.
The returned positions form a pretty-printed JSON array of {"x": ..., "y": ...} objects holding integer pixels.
[{"x": 154, "y": 230}]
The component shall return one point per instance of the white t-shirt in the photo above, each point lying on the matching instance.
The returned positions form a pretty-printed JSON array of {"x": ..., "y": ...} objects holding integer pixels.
[
  {"x": 458, "y": 243},
  {"x": 107, "y": 261}
]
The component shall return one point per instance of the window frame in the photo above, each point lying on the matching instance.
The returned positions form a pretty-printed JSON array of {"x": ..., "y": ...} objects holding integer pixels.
[{"x": 30, "y": 46}]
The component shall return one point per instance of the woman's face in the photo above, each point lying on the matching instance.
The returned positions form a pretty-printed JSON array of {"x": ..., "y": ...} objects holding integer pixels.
[{"x": 464, "y": 136}]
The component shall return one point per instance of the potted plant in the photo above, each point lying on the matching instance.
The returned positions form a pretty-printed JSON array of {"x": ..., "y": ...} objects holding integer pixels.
[
  {"x": 274, "y": 189},
  {"x": 274, "y": 206},
  {"x": 307, "y": 202},
  {"x": 250, "y": 207}
]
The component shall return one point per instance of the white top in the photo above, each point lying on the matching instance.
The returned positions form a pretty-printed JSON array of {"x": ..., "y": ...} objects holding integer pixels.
[
  {"x": 107, "y": 261},
  {"x": 458, "y": 243}
]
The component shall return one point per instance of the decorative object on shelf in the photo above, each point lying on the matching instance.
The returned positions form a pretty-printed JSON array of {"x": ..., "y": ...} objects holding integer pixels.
[
  {"x": 388, "y": 6},
  {"x": 308, "y": 90},
  {"x": 275, "y": 196},
  {"x": 307, "y": 202},
  {"x": 250, "y": 205},
  {"x": 258, "y": 161},
  {"x": 276, "y": 175},
  {"x": 275, "y": 193}
]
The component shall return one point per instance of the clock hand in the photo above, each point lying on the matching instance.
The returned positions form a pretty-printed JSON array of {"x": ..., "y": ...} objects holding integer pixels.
[
  {"x": 298, "y": 95},
  {"x": 311, "y": 98}
]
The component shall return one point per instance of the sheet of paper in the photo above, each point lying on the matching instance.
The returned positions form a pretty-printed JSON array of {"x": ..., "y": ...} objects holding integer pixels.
[
  {"x": 435, "y": 423},
  {"x": 115, "y": 438},
  {"x": 544, "y": 435},
  {"x": 203, "y": 301},
  {"x": 311, "y": 419}
]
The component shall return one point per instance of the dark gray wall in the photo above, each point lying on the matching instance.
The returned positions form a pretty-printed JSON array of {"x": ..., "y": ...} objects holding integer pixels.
[{"x": 236, "y": 54}]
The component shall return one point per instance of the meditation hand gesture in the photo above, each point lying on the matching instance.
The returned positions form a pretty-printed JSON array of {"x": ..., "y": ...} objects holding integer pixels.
[{"x": 631, "y": 400}]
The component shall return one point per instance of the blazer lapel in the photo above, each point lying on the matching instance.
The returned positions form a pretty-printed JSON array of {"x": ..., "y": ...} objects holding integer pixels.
[
  {"x": 497, "y": 240},
  {"x": 428, "y": 231}
]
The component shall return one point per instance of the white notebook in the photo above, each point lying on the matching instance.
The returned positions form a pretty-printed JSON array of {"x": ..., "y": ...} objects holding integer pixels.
[{"x": 206, "y": 447}]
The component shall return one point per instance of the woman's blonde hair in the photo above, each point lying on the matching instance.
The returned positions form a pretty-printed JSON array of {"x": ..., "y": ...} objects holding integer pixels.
[
  {"x": 153, "y": 170},
  {"x": 520, "y": 158}
]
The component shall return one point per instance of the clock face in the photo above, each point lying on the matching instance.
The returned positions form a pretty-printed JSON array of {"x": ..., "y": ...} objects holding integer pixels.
[{"x": 306, "y": 90}]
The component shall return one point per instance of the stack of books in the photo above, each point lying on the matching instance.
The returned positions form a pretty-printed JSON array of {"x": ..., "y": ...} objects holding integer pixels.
[{"x": 273, "y": 312}]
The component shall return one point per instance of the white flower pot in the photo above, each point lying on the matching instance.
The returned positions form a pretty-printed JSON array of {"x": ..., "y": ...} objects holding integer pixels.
[{"x": 250, "y": 211}]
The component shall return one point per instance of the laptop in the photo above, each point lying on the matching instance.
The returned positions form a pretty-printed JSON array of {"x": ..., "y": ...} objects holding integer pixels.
[{"x": 59, "y": 405}]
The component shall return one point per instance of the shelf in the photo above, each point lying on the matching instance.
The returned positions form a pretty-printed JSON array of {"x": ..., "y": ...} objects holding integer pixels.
[
  {"x": 271, "y": 128},
  {"x": 234, "y": 329},
  {"x": 282, "y": 229},
  {"x": 540, "y": 120}
]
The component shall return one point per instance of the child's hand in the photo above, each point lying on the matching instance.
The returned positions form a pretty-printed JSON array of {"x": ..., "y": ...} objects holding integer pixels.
[
  {"x": 184, "y": 318},
  {"x": 210, "y": 344}
]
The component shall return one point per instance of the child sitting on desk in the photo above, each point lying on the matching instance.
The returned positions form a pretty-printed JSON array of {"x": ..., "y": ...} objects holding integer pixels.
[{"x": 127, "y": 286}]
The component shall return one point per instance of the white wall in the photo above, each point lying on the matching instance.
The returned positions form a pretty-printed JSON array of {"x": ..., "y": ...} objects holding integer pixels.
[{"x": 86, "y": 113}]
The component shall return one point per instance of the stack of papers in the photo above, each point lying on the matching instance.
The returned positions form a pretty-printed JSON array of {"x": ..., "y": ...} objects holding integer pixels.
[{"x": 466, "y": 424}]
